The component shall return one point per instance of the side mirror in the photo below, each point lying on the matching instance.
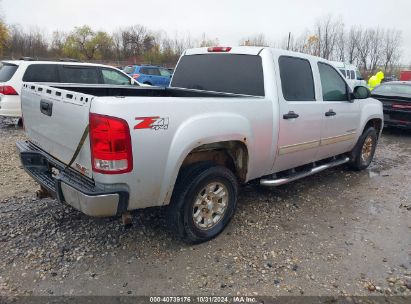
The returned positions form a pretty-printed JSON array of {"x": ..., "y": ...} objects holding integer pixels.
[{"x": 361, "y": 92}]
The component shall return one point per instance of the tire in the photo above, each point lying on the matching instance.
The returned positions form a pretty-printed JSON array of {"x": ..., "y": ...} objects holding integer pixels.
[
  {"x": 197, "y": 191},
  {"x": 363, "y": 153}
]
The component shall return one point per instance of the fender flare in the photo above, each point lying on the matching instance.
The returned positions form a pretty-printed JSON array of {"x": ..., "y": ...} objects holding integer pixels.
[{"x": 197, "y": 131}]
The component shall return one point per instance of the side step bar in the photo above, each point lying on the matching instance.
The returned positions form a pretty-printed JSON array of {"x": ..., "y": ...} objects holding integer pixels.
[{"x": 285, "y": 180}]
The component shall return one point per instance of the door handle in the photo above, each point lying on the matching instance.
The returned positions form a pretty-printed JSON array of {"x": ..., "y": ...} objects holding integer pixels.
[
  {"x": 291, "y": 115},
  {"x": 330, "y": 113},
  {"x": 46, "y": 107}
]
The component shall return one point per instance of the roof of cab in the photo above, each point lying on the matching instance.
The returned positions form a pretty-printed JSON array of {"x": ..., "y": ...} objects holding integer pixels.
[
  {"x": 240, "y": 50},
  {"x": 253, "y": 50}
]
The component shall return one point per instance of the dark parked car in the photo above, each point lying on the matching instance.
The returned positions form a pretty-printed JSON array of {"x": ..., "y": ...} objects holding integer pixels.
[{"x": 396, "y": 99}]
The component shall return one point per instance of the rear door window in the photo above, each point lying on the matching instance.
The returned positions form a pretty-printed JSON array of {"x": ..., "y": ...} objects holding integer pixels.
[
  {"x": 7, "y": 71},
  {"x": 333, "y": 85},
  {"x": 143, "y": 71},
  {"x": 41, "y": 73},
  {"x": 79, "y": 74},
  {"x": 153, "y": 72},
  {"x": 227, "y": 73},
  {"x": 297, "y": 79}
]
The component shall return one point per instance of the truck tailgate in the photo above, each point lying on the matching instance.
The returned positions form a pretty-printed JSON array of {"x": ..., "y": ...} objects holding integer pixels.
[{"x": 55, "y": 120}]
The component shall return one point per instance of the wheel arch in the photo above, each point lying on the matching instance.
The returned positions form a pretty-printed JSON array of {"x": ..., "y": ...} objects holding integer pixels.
[
  {"x": 376, "y": 123},
  {"x": 233, "y": 154},
  {"x": 200, "y": 137}
]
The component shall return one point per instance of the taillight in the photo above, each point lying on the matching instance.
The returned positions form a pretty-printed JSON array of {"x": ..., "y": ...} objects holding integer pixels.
[
  {"x": 135, "y": 76},
  {"x": 8, "y": 90},
  {"x": 217, "y": 49},
  {"x": 401, "y": 106},
  {"x": 110, "y": 143}
]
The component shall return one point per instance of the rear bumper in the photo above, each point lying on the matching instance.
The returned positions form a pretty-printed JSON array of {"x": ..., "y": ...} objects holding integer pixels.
[
  {"x": 10, "y": 106},
  {"x": 14, "y": 113},
  {"x": 69, "y": 186}
]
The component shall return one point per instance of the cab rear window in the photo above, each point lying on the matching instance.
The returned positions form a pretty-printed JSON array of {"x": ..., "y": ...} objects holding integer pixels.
[
  {"x": 226, "y": 73},
  {"x": 7, "y": 71}
]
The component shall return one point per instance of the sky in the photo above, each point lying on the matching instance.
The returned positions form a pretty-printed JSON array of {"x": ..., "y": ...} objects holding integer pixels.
[{"x": 228, "y": 20}]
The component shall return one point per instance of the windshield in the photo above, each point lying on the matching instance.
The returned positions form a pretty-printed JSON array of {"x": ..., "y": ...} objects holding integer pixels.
[
  {"x": 226, "y": 73},
  {"x": 393, "y": 89},
  {"x": 7, "y": 71}
]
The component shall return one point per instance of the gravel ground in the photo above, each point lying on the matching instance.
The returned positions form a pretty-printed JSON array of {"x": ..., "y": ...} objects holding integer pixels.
[{"x": 335, "y": 233}]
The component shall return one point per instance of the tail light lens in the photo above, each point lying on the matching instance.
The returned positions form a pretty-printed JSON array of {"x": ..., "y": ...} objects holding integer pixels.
[
  {"x": 8, "y": 90},
  {"x": 110, "y": 143},
  {"x": 135, "y": 76}
]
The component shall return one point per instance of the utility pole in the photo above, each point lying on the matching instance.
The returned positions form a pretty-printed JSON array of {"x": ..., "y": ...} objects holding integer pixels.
[{"x": 289, "y": 38}]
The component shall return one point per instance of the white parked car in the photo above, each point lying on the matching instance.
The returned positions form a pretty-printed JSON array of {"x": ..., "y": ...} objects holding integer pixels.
[
  {"x": 351, "y": 73},
  {"x": 14, "y": 72},
  {"x": 231, "y": 115}
]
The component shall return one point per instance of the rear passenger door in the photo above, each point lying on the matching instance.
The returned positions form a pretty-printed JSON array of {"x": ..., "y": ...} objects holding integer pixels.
[
  {"x": 300, "y": 116},
  {"x": 341, "y": 116}
]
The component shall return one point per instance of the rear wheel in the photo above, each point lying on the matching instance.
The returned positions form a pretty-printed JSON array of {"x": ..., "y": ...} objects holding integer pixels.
[
  {"x": 364, "y": 151},
  {"x": 203, "y": 202}
]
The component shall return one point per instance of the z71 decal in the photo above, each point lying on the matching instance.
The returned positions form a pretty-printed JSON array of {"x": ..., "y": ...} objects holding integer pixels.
[{"x": 153, "y": 122}]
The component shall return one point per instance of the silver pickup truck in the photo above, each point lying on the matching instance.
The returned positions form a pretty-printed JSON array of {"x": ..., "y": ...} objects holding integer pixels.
[{"x": 231, "y": 115}]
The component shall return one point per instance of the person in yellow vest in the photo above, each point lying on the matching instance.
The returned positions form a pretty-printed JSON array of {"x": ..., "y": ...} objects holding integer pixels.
[{"x": 375, "y": 80}]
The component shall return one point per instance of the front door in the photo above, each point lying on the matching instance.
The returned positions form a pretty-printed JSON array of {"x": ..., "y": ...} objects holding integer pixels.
[
  {"x": 300, "y": 114},
  {"x": 341, "y": 115}
]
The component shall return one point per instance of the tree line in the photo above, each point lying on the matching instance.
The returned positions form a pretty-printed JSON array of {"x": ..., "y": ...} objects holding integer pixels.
[
  {"x": 368, "y": 48},
  {"x": 371, "y": 49}
]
